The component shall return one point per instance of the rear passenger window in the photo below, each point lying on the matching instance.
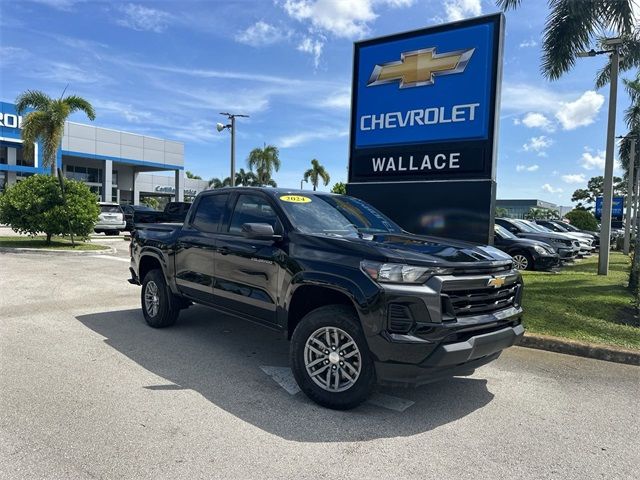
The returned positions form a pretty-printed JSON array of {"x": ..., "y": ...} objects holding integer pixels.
[
  {"x": 253, "y": 209},
  {"x": 209, "y": 212}
]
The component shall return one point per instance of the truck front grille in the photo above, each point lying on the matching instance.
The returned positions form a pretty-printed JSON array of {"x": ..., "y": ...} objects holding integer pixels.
[{"x": 478, "y": 301}]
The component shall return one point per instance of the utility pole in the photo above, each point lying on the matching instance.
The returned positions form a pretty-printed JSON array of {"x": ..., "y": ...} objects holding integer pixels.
[
  {"x": 231, "y": 127},
  {"x": 629, "y": 199}
]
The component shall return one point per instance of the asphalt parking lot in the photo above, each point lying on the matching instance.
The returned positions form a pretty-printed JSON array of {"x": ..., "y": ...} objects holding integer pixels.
[{"x": 87, "y": 390}]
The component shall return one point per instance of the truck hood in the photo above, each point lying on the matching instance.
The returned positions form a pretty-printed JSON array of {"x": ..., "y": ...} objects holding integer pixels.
[{"x": 427, "y": 250}]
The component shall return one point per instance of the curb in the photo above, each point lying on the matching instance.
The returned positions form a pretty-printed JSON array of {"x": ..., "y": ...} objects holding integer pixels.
[
  {"x": 51, "y": 251},
  {"x": 580, "y": 349}
]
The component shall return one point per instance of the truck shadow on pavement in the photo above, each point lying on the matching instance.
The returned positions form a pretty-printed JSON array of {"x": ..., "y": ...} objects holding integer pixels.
[{"x": 220, "y": 357}]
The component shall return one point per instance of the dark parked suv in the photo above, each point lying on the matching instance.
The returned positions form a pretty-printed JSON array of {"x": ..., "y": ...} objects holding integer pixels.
[{"x": 361, "y": 299}]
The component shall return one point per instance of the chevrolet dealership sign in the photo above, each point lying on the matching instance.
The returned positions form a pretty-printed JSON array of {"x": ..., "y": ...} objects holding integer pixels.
[{"x": 424, "y": 103}]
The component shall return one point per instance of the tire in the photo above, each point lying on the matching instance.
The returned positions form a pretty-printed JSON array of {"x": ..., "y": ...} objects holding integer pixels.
[
  {"x": 522, "y": 261},
  {"x": 112, "y": 233},
  {"x": 355, "y": 380},
  {"x": 159, "y": 306}
]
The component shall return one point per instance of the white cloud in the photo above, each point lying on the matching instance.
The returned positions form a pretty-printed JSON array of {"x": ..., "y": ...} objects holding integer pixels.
[
  {"x": 590, "y": 161},
  {"x": 314, "y": 47},
  {"x": 141, "y": 18},
  {"x": 339, "y": 100},
  {"x": 260, "y": 34},
  {"x": 461, "y": 9},
  {"x": 538, "y": 144},
  {"x": 528, "y": 43},
  {"x": 294, "y": 140},
  {"x": 342, "y": 18},
  {"x": 580, "y": 112},
  {"x": 537, "y": 120},
  {"x": 523, "y": 97},
  {"x": 65, "y": 5},
  {"x": 548, "y": 188},
  {"x": 524, "y": 168},
  {"x": 574, "y": 178}
]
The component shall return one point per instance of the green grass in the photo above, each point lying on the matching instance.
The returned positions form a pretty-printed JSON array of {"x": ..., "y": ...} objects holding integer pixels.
[
  {"x": 39, "y": 242},
  {"x": 580, "y": 305}
]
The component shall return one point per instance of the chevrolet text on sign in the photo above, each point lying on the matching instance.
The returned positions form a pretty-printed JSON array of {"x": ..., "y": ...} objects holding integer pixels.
[{"x": 424, "y": 103}]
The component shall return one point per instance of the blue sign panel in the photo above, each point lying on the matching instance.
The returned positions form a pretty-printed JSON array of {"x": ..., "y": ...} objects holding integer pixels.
[
  {"x": 424, "y": 103},
  {"x": 617, "y": 208},
  {"x": 10, "y": 121}
]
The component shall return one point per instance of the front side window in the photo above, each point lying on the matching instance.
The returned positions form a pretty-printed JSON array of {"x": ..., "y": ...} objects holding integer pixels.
[
  {"x": 252, "y": 208},
  {"x": 209, "y": 212}
]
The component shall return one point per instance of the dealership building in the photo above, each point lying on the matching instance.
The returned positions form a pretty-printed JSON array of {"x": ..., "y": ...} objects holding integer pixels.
[
  {"x": 118, "y": 166},
  {"x": 519, "y": 208}
]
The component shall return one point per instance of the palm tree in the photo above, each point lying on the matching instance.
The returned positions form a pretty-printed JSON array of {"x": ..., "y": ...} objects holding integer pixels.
[
  {"x": 316, "y": 173},
  {"x": 188, "y": 174},
  {"x": 215, "y": 183},
  {"x": 45, "y": 123},
  {"x": 573, "y": 26},
  {"x": 632, "y": 119},
  {"x": 264, "y": 160},
  {"x": 246, "y": 179}
]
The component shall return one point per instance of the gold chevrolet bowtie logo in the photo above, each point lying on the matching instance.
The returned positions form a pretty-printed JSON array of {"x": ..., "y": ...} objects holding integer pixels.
[
  {"x": 419, "y": 67},
  {"x": 496, "y": 282}
]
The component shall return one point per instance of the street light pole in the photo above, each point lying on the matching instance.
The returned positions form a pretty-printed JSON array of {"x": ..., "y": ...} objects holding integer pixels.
[
  {"x": 232, "y": 127},
  {"x": 629, "y": 199},
  {"x": 607, "y": 200}
]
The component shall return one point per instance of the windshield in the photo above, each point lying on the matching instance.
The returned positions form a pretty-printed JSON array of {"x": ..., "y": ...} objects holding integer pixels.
[
  {"x": 568, "y": 227},
  {"x": 557, "y": 227},
  {"x": 538, "y": 228},
  {"x": 503, "y": 232},
  {"x": 525, "y": 227},
  {"x": 337, "y": 215}
]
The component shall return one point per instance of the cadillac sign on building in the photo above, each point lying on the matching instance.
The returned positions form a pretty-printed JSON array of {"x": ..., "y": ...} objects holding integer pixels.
[{"x": 424, "y": 126}]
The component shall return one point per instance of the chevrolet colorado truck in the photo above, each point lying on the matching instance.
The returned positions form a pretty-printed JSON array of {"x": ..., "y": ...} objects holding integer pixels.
[{"x": 362, "y": 301}]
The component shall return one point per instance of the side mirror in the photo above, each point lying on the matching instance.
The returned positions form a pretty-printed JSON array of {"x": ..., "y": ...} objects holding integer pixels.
[{"x": 259, "y": 231}]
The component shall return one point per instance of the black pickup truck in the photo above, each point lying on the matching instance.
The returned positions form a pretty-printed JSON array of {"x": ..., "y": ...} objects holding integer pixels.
[{"x": 361, "y": 300}]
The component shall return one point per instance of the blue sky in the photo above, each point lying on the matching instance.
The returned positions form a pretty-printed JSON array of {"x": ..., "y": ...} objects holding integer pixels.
[{"x": 166, "y": 69}]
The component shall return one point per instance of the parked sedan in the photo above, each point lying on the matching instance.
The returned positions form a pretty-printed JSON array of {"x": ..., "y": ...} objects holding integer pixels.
[
  {"x": 527, "y": 254},
  {"x": 111, "y": 219},
  {"x": 586, "y": 247},
  {"x": 567, "y": 248},
  {"x": 564, "y": 227}
]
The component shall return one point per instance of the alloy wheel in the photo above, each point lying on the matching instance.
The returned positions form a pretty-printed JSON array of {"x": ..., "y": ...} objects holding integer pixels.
[
  {"x": 520, "y": 261},
  {"x": 151, "y": 298},
  {"x": 332, "y": 359}
]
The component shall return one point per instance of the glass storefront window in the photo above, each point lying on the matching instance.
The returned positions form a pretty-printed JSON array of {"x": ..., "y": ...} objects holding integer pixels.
[
  {"x": 4, "y": 155},
  {"x": 3, "y": 181},
  {"x": 114, "y": 194},
  {"x": 114, "y": 177},
  {"x": 20, "y": 160},
  {"x": 84, "y": 174}
]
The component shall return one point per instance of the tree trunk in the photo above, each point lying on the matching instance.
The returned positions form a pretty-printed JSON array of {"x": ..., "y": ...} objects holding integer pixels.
[
  {"x": 635, "y": 265},
  {"x": 53, "y": 169},
  {"x": 48, "y": 240}
]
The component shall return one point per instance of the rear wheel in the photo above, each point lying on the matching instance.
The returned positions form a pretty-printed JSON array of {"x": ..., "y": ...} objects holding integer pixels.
[
  {"x": 159, "y": 306},
  {"x": 522, "y": 261},
  {"x": 330, "y": 358},
  {"x": 112, "y": 232}
]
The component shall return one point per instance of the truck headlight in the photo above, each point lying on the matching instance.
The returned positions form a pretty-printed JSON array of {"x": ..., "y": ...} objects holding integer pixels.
[{"x": 400, "y": 273}]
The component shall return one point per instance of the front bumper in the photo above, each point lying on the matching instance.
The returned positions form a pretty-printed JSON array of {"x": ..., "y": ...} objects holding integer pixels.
[
  {"x": 440, "y": 343},
  {"x": 101, "y": 227},
  {"x": 546, "y": 262}
]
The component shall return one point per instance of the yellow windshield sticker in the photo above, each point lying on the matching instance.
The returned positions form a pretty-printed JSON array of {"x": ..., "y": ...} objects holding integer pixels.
[{"x": 295, "y": 199}]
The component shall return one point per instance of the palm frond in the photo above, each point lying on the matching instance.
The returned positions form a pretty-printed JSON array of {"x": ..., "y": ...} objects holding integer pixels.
[
  {"x": 34, "y": 99},
  {"x": 508, "y": 4},
  {"x": 568, "y": 30},
  {"x": 76, "y": 103},
  {"x": 629, "y": 58}
]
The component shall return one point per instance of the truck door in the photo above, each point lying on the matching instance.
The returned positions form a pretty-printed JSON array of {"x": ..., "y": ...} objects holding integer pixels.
[
  {"x": 247, "y": 270},
  {"x": 195, "y": 248}
]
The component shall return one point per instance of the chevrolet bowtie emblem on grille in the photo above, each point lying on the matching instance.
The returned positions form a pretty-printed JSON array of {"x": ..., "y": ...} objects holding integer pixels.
[
  {"x": 419, "y": 67},
  {"x": 496, "y": 282}
]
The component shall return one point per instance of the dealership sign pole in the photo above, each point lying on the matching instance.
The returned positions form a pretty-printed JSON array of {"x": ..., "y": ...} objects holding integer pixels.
[{"x": 424, "y": 127}]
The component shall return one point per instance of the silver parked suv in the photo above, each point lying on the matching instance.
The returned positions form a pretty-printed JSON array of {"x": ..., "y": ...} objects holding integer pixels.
[{"x": 111, "y": 220}]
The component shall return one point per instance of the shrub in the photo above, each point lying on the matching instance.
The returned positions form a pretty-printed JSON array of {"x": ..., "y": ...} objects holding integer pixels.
[
  {"x": 340, "y": 188},
  {"x": 582, "y": 219},
  {"x": 35, "y": 205}
]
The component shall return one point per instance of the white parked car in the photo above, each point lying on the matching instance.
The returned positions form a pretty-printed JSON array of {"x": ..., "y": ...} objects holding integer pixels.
[{"x": 111, "y": 220}]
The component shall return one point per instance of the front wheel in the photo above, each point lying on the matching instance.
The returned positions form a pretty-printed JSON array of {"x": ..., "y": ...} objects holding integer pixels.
[
  {"x": 522, "y": 261},
  {"x": 159, "y": 306},
  {"x": 330, "y": 358}
]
